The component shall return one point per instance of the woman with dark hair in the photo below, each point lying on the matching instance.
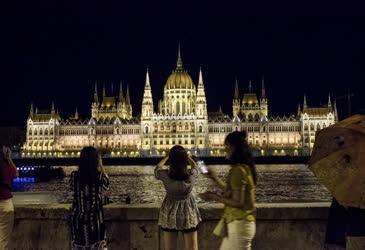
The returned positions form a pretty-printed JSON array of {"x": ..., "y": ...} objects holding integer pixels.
[
  {"x": 8, "y": 172},
  {"x": 237, "y": 225},
  {"x": 88, "y": 184},
  {"x": 179, "y": 211}
]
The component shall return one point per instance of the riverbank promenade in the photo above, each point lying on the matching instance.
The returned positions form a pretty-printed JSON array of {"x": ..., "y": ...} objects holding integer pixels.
[{"x": 299, "y": 226}]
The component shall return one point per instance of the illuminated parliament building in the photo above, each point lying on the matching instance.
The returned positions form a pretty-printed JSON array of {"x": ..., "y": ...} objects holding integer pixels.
[{"x": 181, "y": 117}]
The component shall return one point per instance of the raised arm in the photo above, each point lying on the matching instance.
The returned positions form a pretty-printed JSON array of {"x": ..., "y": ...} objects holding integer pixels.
[
  {"x": 213, "y": 175},
  {"x": 11, "y": 163},
  {"x": 162, "y": 162}
]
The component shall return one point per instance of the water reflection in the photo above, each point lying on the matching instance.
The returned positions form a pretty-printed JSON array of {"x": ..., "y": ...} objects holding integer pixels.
[{"x": 276, "y": 183}]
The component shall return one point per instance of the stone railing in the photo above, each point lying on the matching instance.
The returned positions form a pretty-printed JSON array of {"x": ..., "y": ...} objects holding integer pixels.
[{"x": 297, "y": 226}]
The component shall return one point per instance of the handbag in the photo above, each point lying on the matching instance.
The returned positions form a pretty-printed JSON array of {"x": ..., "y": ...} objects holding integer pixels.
[{"x": 221, "y": 229}]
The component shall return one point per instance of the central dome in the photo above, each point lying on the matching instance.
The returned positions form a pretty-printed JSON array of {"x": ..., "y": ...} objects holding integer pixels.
[{"x": 179, "y": 78}]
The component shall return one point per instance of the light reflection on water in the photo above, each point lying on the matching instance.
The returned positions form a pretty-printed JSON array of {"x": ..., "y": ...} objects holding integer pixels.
[{"x": 276, "y": 183}]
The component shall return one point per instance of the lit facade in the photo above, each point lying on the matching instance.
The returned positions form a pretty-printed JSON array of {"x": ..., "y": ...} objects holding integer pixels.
[{"x": 180, "y": 117}]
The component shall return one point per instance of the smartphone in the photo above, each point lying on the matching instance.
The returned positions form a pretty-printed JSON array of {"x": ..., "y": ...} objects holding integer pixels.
[{"x": 202, "y": 167}]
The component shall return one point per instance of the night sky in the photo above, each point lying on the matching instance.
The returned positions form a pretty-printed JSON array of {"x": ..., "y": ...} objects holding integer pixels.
[{"x": 56, "y": 52}]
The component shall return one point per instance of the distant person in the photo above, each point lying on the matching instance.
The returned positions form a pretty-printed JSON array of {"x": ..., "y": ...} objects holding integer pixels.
[
  {"x": 179, "y": 211},
  {"x": 8, "y": 172},
  {"x": 237, "y": 226},
  {"x": 88, "y": 183},
  {"x": 128, "y": 199}
]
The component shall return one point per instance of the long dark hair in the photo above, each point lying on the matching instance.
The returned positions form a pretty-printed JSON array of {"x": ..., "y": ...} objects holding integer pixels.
[
  {"x": 88, "y": 166},
  {"x": 178, "y": 159},
  {"x": 241, "y": 151}
]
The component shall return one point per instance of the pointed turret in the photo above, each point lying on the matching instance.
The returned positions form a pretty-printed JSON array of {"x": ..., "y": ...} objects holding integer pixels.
[
  {"x": 236, "y": 91},
  {"x": 96, "y": 99},
  {"x": 329, "y": 101},
  {"x": 53, "y": 109},
  {"x": 200, "y": 82},
  {"x": 220, "y": 109},
  {"x": 36, "y": 110},
  {"x": 127, "y": 98},
  {"x": 31, "y": 112},
  {"x": 335, "y": 110},
  {"x": 76, "y": 114},
  {"x": 263, "y": 92},
  {"x": 179, "y": 64},
  {"x": 305, "y": 102},
  {"x": 299, "y": 111},
  {"x": 104, "y": 91},
  {"x": 201, "y": 101},
  {"x": 121, "y": 96},
  {"x": 147, "y": 102},
  {"x": 250, "y": 86}
]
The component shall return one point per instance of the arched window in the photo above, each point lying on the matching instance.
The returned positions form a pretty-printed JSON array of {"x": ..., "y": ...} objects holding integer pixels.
[
  {"x": 177, "y": 107},
  {"x": 318, "y": 127},
  {"x": 250, "y": 117},
  {"x": 312, "y": 127},
  {"x": 40, "y": 132},
  {"x": 183, "y": 108},
  {"x": 243, "y": 116},
  {"x": 146, "y": 130},
  {"x": 305, "y": 127},
  {"x": 257, "y": 117},
  {"x": 46, "y": 132},
  {"x": 200, "y": 128},
  {"x": 30, "y": 131}
]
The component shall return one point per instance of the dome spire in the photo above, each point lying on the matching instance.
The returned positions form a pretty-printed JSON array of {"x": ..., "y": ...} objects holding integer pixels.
[{"x": 179, "y": 64}]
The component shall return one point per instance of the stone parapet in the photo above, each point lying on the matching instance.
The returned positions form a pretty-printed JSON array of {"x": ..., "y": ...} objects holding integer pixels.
[{"x": 134, "y": 226}]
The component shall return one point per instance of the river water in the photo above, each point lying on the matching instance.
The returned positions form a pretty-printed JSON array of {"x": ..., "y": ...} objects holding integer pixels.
[{"x": 276, "y": 183}]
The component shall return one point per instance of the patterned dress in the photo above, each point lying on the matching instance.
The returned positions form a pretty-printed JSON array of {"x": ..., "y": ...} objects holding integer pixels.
[
  {"x": 88, "y": 228},
  {"x": 179, "y": 210}
]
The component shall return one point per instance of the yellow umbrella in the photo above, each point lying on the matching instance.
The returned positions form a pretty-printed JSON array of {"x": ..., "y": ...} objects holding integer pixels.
[{"x": 338, "y": 160}]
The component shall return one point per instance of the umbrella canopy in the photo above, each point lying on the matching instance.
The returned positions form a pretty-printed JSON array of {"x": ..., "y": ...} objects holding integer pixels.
[{"x": 338, "y": 160}]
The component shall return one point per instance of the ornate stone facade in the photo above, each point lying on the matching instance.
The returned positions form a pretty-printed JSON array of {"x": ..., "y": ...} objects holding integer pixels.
[{"x": 180, "y": 118}]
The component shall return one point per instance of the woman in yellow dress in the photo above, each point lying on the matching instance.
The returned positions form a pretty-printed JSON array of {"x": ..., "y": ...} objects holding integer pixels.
[{"x": 238, "y": 223}]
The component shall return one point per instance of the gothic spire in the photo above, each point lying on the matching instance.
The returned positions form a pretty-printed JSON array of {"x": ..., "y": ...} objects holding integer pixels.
[
  {"x": 121, "y": 96},
  {"x": 179, "y": 64},
  {"x": 147, "y": 84},
  {"x": 103, "y": 90},
  {"x": 220, "y": 109},
  {"x": 200, "y": 77},
  {"x": 250, "y": 86},
  {"x": 236, "y": 91},
  {"x": 263, "y": 92},
  {"x": 329, "y": 101},
  {"x": 335, "y": 110},
  {"x": 76, "y": 114},
  {"x": 96, "y": 92},
  {"x": 52, "y": 110},
  {"x": 31, "y": 112},
  {"x": 299, "y": 111},
  {"x": 305, "y": 102},
  {"x": 128, "y": 100}
]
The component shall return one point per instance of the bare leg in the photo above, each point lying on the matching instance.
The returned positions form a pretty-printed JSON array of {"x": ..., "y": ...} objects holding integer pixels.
[
  {"x": 191, "y": 240},
  {"x": 170, "y": 239}
]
